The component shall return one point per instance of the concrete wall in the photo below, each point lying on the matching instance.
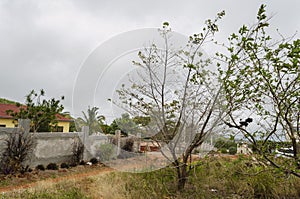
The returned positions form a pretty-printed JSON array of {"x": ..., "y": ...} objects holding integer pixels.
[
  {"x": 52, "y": 147},
  {"x": 58, "y": 147},
  {"x": 55, "y": 147}
]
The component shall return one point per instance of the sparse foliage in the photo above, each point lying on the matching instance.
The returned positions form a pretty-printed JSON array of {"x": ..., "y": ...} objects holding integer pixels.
[
  {"x": 106, "y": 152},
  {"x": 262, "y": 83},
  {"x": 175, "y": 89},
  {"x": 18, "y": 148}
]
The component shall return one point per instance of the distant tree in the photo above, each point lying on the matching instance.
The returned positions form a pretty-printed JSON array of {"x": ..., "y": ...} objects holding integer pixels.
[
  {"x": 225, "y": 143},
  {"x": 124, "y": 123},
  {"x": 105, "y": 128},
  {"x": 6, "y": 101},
  {"x": 41, "y": 112},
  {"x": 110, "y": 129},
  {"x": 92, "y": 120},
  {"x": 127, "y": 124}
]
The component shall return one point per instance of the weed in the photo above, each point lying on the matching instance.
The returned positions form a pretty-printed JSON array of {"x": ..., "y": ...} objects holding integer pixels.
[
  {"x": 94, "y": 161},
  {"x": 18, "y": 147},
  {"x": 64, "y": 165},
  {"x": 52, "y": 166},
  {"x": 40, "y": 167}
]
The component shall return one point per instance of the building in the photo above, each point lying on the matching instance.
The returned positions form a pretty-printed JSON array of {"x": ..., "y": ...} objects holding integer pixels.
[
  {"x": 243, "y": 148},
  {"x": 6, "y": 120}
]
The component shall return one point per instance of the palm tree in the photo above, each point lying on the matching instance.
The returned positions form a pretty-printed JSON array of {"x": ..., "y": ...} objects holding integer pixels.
[{"x": 92, "y": 120}]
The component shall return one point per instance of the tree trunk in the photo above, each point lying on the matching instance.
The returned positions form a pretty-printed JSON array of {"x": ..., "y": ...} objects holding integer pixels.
[
  {"x": 295, "y": 150},
  {"x": 182, "y": 176}
]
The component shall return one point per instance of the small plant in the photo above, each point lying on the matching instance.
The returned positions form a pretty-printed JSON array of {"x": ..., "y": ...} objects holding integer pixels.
[
  {"x": 64, "y": 165},
  {"x": 40, "y": 167},
  {"x": 18, "y": 147},
  {"x": 81, "y": 162},
  {"x": 223, "y": 150},
  {"x": 72, "y": 164},
  {"x": 25, "y": 169},
  {"x": 106, "y": 152},
  {"x": 52, "y": 166},
  {"x": 232, "y": 150},
  {"x": 94, "y": 161},
  {"x": 128, "y": 145}
]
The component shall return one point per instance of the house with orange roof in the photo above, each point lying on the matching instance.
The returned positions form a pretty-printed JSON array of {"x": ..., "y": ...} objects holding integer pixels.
[{"x": 6, "y": 120}]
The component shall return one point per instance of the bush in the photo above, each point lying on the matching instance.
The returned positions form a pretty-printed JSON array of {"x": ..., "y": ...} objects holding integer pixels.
[
  {"x": 73, "y": 164},
  {"x": 52, "y": 166},
  {"x": 128, "y": 145},
  {"x": 106, "y": 152},
  {"x": 94, "y": 161},
  {"x": 18, "y": 147},
  {"x": 64, "y": 165},
  {"x": 81, "y": 162},
  {"x": 232, "y": 150},
  {"x": 223, "y": 150},
  {"x": 40, "y": 167}
]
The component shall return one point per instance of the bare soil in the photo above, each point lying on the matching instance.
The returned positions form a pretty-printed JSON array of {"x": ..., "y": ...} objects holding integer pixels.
[{"x": 32, "y": 179}]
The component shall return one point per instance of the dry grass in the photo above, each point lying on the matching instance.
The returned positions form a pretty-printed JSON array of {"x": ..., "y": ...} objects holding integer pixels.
[{"x": 213, "y": 178}]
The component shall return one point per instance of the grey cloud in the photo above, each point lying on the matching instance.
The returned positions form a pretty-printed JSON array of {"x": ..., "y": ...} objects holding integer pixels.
[{"x": 43, "y": 43}]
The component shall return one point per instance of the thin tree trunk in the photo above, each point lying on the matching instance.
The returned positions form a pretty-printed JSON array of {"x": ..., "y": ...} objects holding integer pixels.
[{"x": 182, "y": 177}]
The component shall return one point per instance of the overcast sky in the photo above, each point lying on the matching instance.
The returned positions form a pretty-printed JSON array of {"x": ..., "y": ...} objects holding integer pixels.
[{"x": 44, "y": 43}]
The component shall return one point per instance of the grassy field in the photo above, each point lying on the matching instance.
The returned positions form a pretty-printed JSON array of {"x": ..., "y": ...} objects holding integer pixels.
[{"x": 213, "y": 178}]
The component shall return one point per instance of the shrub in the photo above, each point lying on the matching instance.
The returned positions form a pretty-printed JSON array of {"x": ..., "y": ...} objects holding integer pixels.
[
  {"x": 73, "y": 164},
  {"x": 18, "y": 147},
  {"x": 128, "y": 145},
  {"x": 106, "y": 152},
  {"x": 40, "y": 167},
  {"x": 94, "y": 161},
  {"x": 64, "y": 165},
  {"x": 223, "y": 150},
  {"x": 81, "y": 162},
  {"x": 52, "y": 166},
  {"x": 232, "y": 150}
]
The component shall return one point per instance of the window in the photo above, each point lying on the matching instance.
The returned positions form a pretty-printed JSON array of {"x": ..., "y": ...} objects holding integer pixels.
[{"x": 2, "y": 125}]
